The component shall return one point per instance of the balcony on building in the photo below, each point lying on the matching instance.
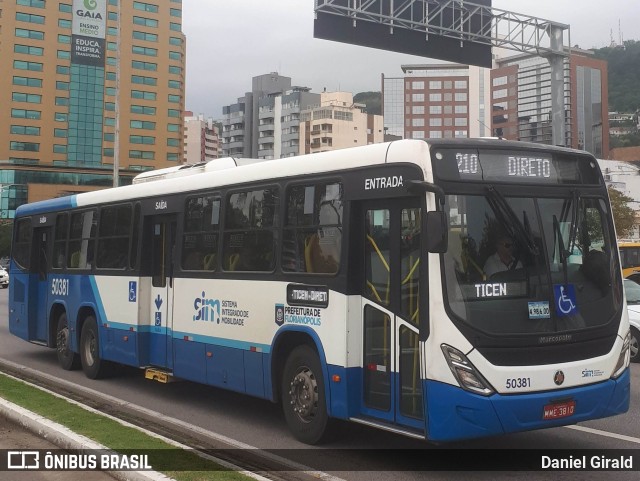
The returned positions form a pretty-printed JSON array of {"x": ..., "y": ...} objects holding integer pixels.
[{"x": 266, "y": 136}]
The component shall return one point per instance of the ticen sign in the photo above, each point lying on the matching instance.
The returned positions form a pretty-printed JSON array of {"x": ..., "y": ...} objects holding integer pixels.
[{"x": 89, "y": 32}]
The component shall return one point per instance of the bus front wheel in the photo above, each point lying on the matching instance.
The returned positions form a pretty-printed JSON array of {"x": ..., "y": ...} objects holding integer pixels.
[
  {"x": 67, "y": 359},
  {"x": 635, "y": 345},
  {"x": 303, "y": 395},
  {"x": 92, "y": 365}
]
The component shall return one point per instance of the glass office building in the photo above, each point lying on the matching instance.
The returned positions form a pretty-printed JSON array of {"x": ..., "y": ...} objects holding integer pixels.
[
  {"x": 521, "y": 100},
  {"x": 76, "y": 72}
]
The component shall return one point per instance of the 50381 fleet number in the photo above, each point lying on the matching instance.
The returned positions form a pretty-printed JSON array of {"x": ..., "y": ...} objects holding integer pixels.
[
  {"x": 60, "y": 287},
  {"x": 518, "y": 382}
]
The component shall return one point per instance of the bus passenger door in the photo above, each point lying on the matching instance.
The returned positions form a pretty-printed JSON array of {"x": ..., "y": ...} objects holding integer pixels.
[
  {"x": 162, "y": 235},
  {"x": 392, "y": 386},
  {"x": 40, "y": 267}
]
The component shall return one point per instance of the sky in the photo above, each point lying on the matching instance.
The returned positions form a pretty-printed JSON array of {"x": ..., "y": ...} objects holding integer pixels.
[{"x": 229, "y": 42}]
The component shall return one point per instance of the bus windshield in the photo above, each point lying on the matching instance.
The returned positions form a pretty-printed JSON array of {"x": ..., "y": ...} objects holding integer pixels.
[{"x": 517, "y": 265}]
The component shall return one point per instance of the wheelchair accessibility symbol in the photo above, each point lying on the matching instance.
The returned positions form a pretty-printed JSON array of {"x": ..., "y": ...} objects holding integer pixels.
[{"x": 565, "y": 296}]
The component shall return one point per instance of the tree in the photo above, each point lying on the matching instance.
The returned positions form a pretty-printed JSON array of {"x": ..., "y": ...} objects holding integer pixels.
[{"x": 623, "y": 215}]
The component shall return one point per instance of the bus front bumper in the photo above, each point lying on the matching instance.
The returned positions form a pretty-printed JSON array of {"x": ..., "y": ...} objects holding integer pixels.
[{"x": 454, "y": 413}]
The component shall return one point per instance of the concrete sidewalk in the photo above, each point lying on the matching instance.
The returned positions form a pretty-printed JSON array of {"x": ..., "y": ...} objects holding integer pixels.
[
  {"x": 23, "y": 429},
  {"x": 14, "y": 436}
]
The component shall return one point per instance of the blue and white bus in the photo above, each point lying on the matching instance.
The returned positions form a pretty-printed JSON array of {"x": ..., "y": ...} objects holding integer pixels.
[{"x": 350, "y": 284}]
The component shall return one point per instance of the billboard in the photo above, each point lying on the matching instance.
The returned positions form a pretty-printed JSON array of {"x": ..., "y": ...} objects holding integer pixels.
[
  {"x": 88, "y": 32},
  {"x": 340, "y": 28}
]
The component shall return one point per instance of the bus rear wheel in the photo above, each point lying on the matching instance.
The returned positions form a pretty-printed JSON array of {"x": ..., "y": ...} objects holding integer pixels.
[
  {"x": 303, "y": 395},
  {"x": 92, "y": 365},
  {"x": 67, "y": 359}
]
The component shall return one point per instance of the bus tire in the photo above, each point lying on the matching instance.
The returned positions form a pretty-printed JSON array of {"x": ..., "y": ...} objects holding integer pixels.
[
  {"x": 634, "y": 347},
  {"x": 92, "y": 365},
  {"x": 303, "y": 395},
  {"x": 67, "y": 359}
]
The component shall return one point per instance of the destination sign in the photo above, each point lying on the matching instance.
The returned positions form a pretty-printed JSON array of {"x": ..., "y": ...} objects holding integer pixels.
[
  {"x": 532, "y": 167},
  {"x": 310, "y": 296},
  {"x": 493, "y": 290}
]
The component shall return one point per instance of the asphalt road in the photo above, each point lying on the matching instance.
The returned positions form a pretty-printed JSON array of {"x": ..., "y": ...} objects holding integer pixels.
[{"x": 354, "y": 454}]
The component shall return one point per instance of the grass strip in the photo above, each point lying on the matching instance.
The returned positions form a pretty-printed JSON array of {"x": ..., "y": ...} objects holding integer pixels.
[{"x": 186, "y": 465}]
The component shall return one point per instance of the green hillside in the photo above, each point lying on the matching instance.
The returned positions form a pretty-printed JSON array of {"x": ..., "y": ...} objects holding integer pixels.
[
  {"x": 373, "y": 101},
  {"x": 624, "y": 76}
]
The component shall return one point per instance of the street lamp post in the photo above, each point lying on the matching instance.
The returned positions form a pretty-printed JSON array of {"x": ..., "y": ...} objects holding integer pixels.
[{"x": 116, "y": 146}]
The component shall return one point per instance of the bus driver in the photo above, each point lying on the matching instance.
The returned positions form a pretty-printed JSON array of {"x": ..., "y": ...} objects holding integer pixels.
[{"x": 502, "y": 259}]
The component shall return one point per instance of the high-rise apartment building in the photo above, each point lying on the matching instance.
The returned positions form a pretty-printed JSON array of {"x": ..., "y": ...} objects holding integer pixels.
[
  {"x": 512, "y": 100},
  {"x": 201, "y": 139},
  {"x": 86, "y": 84},
  {"x": 437, "y": 101},
  {"x": 521, "y": 100},
  {"x": 265, "y": 122},
  {"x": 337, "y": 123}
]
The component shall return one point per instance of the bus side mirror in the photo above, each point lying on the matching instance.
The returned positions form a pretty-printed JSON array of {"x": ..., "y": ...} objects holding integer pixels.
[{"x": 437, "y": 232}]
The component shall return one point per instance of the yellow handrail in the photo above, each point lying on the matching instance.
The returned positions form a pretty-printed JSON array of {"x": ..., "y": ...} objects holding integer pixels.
[
  {"x": 375, "y": 246},
  {"x": 386, "y": 266},
  {"x": 410, "y": 274},
  {"x": 374, "y": 291}
]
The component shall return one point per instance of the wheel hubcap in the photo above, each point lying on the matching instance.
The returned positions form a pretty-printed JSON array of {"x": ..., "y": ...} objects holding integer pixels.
[
  {"x": 62, "y": 341},
  {"x": 90, "y": 350},
  {"x": 304, "y": 395},
  {"x": 634, "y": 346}
]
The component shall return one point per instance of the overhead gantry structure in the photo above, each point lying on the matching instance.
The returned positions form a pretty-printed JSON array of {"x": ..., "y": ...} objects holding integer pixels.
[{"x": 471, "y": 23}]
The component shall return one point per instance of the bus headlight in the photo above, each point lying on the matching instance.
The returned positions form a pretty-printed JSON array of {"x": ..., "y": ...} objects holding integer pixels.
[
  {"x": 624, "y": 359},
  {"x": 465, "y": 373}
]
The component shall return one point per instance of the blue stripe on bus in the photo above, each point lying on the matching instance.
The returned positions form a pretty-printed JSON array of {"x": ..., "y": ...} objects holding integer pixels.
[
  {"x": 59, "y": 204},
  {"x": 191, "y": 337},
  {"x": 218, "y": 341},
  {"x": 457, "y": 414},
  {"x": 97, "y": 299}
]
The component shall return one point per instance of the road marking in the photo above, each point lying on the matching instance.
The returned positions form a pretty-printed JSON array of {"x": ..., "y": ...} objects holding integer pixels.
[{"x": 605, "y": 433}]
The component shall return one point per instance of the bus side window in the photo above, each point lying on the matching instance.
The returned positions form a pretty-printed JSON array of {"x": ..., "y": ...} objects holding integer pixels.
[
  {"x": 210, "y": 262},
  {"x": 313, "y": 229},
  {"x": 232, "y": 262},
  {"x": 74, "y": 260},
  {"x": 82, "y": 234},
  {"x": 60, "y": 241},
  {"x": 114, "y": 235},
  {"x": 310, "y": 248},
  {"x": 22, "y": 243},
  {"x": 250, "y": 230},
  {"x": 201, "y": 232}
]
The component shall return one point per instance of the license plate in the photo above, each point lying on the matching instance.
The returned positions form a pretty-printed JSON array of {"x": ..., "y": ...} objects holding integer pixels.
[{"x": 559, "y": 410}]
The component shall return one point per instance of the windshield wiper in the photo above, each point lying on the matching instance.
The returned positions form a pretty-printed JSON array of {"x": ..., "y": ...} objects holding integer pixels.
[
  {"x": 511, "y": 222},
  {"x": 574, "y": 205},
  {"x": 563, "y": 253},
  {"x": 575, "y": 212}
]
